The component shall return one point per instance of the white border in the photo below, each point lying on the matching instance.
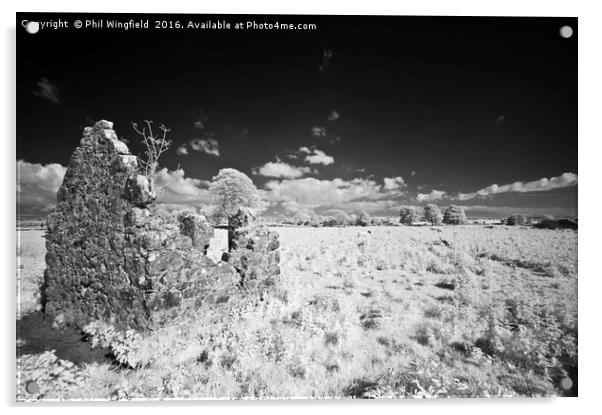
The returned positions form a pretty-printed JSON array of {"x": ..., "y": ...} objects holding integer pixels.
[{"x": 590, "y": 114}]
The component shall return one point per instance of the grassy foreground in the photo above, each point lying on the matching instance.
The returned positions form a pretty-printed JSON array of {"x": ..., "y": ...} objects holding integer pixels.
[{"x": 364, "y": 312}]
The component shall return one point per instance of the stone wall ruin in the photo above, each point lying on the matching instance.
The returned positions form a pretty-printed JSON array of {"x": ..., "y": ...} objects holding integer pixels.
[{"x": 110, "y": 258}]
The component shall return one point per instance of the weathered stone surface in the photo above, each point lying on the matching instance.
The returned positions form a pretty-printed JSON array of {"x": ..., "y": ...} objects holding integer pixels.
[
  {"x": 255, "y": 256},
  {"x": 109, "y": 258},
  {"x": 137, "y": 190},
  {"x": 198, "y": 229}
]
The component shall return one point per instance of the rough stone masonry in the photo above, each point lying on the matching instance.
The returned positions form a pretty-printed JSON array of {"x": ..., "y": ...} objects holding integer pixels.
[{"x": 110, "y": 258}]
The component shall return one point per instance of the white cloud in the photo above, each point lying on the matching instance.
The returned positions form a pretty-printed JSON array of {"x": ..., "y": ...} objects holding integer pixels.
[
  {"x": 312, "y": 192},
  {"x": 48, "y": 90},
  {"x": 318, "y": 131},
  {"x": 293, "y": 207},
  {"x": 46, "y": 177},
  {"x": 182, "y": 150},
  {"x": 541, "y": 185},
  {"x": 430, "y": 197},
  {"x": 349, "y": 195},
  {"x": 334, "y": 115},
  {"x": 37, "y": 185},
  {"x": 394, "y": 183},
  {"x": 282, "y": 170},
  {"x": 464, "y": 196},
  {"x": 207, "y": 146},
  {"x": 317, "y": 156},
  {"x": 176, "y": 188}
]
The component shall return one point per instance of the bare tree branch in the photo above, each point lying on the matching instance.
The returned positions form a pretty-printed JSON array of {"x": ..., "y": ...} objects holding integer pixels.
[{"x": 155, "y": 147}]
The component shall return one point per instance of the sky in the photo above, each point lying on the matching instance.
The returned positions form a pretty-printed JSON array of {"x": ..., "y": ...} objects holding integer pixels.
[{"x": 360, "y": 114}]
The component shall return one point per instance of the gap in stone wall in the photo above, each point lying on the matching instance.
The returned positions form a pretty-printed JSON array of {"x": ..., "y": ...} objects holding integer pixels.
[{"x": 218, "y": 245}]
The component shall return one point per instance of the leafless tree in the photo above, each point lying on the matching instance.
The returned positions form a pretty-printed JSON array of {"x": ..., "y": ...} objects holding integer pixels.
[{"x": 155, "y": 146}]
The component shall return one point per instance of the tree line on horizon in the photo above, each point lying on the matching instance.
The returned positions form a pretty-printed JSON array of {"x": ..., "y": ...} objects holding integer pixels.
[{"x": 408, "y": 215}]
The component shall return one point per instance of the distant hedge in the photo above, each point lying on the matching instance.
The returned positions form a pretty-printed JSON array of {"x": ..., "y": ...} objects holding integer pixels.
[{"x": 556, "y": 224}]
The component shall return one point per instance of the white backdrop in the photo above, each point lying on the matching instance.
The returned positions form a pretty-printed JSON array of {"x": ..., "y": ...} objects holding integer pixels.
[{"x": 590, "y": 135}]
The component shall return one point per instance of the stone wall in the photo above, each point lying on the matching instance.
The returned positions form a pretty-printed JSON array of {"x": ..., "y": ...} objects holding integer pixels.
[
  {"x": 255, "y": 257},
  {"x": 109, "y": 258}
]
